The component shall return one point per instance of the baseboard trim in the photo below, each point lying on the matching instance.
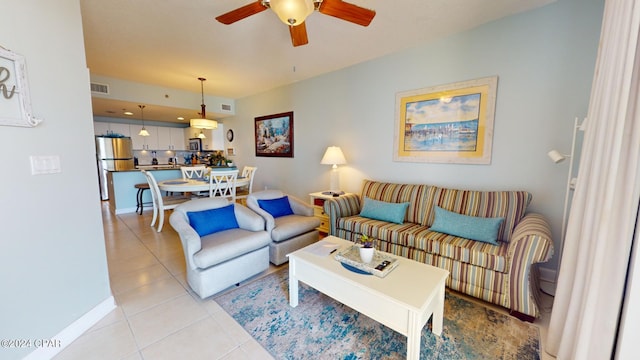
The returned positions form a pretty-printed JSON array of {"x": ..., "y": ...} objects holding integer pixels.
[
  {"x": 127, "y": 210},
  {"x": 547, "y": 275},
  {"x": 75, "y": 330}
]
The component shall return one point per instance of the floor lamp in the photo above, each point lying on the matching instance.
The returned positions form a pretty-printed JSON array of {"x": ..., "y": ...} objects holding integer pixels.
[
  {"x": 334, "y": 156},
  {"x": 557, "y": 158}
]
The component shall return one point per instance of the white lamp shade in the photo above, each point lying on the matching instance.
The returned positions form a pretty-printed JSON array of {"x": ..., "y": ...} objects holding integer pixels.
[
  {"x": 203, "y": 124},
  {"x": 292, "y": 12},
  {"x": 333, "y": 156},
  {"x": 143, "y": 132}
]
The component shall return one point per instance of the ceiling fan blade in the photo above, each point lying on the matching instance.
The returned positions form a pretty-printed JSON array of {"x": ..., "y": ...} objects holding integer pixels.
[
  {"x": 346, "y": 11},
  {"x": 299, "y": 34},
  {"x": 241, "y": 13}
]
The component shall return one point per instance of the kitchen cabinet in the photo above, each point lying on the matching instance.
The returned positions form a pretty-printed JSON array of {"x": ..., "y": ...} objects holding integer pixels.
[
  {"x": 122, "y": 129},
  {"x": 216, "y": 140},
  {"x": 171, "y": 138},
  {"x": 160, "y": 137},
  {"x": 144, "y": 142}
]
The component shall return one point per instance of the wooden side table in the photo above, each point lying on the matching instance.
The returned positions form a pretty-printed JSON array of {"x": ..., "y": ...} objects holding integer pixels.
[{"x": 317, "y": 201}]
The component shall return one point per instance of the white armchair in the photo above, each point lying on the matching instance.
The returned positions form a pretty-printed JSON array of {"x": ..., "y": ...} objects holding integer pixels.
[
  {"x": 295, "y": 229},
  {"x": 229, "y": 255}
]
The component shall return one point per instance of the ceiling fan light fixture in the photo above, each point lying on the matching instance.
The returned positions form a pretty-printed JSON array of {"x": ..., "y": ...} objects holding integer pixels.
[
  {"x": 292, "y": 12},
  {"x": 203, "y": 122}
]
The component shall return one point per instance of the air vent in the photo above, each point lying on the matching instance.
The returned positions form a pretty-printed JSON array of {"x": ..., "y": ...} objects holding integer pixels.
[
  {"x": 100, "y": 88},
  {"x": 226, "y": 107}
]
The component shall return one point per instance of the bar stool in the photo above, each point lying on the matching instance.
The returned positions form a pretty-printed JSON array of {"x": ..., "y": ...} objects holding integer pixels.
[{"x": 141, "y": 188}]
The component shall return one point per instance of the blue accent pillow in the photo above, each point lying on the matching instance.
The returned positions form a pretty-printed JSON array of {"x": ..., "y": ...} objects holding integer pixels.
[
  {"x": 470, "y": 227},
  {"x": 276, "y": 207},
  {"x": 213, "y": 220},
  {"x": 384, "y": 211}
]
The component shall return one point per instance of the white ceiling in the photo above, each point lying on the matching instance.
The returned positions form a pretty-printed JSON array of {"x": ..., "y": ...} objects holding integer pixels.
[{"x": 170, "y": 43}]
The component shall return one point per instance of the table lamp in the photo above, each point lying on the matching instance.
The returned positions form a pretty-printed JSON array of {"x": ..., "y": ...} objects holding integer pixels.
[{"x": 334, "y": 156}]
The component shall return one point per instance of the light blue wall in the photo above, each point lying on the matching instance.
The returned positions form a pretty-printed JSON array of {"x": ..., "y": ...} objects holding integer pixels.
[
  {"x": 544, "y": 60},
  {"x": 53, "y": 267}
]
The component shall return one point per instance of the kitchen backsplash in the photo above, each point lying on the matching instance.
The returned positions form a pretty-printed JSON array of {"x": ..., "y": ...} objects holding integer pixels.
[{"x": 145, "y": 157}]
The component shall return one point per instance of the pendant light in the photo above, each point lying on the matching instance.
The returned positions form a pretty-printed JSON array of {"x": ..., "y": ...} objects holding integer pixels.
[
  {"x": 203, "y": 122},
  {"x": 202, "y": 135},
  {"x": 143, "y": 131}
]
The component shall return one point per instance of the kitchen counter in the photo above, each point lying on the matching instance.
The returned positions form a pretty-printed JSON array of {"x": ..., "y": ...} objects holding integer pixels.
[
  {"x": 122, "y": 193},
  {"x": 150, "y": 167}
]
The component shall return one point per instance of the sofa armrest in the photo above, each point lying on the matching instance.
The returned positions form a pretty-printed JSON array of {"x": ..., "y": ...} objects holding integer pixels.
[
  {"x": 343, "y": 206},
  {"x": 530, "y": 243},
  {"x": 300, "y": 207},
  {"x": 248, "y": 219},
  {"x": 532, "y": 231}
]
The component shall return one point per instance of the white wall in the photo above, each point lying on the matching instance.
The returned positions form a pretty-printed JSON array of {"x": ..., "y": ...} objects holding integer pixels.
[
  {"x": 52, "y": 257},
  {"x": 544, "y": 60}
]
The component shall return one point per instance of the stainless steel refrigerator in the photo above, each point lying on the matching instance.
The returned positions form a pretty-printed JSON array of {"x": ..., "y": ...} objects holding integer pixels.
[{"x": 113, "y": 154}]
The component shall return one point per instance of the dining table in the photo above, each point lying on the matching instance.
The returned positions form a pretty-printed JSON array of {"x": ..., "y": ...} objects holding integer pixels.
[{"x": 194, "y": 185}]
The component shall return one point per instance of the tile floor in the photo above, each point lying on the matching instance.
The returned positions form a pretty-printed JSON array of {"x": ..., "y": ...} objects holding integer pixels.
[{"x": 158, "y": 316}]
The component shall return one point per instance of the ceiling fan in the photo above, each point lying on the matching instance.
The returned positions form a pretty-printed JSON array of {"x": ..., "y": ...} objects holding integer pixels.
[{"x": 294, "y": 12}]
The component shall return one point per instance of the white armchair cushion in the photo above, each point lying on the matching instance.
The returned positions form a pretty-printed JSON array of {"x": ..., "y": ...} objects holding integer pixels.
[
  {"x": 290, "y": 226},
  {"x": 222, "y": 246}
]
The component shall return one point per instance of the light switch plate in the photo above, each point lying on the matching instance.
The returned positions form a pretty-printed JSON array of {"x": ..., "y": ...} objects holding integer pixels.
[{"x": 48, "y": 164}]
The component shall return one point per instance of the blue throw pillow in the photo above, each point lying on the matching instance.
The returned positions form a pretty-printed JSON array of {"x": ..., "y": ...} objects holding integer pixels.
[
  {"x": 276, "y": 207},
  {"x": 213, "y": 220},
  {"x": 470, "y": 227},
  {"x": 384, "y": 211}
]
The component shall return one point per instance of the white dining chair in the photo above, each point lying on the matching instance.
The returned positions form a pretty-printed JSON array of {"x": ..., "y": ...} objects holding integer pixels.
[
  {"x": 161, "y": 203},
  {"x": 244, "y": 191},
  {"x": 222, "y": 183},
  {"x": 190, "y": 172}
]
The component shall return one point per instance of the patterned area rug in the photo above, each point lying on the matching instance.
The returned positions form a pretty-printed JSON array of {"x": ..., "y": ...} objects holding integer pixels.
[{"x": 322, "y": 328}]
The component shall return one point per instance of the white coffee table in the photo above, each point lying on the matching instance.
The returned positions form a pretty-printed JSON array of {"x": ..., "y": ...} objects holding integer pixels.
[{"x": 404, "y": 300}]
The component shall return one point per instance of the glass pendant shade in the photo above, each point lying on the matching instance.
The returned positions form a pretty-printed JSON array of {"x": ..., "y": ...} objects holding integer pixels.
[
  {"x": 143, "y": 131},
  {"x": 203, "y": 124},
  {"x": 292, "y": 12}
]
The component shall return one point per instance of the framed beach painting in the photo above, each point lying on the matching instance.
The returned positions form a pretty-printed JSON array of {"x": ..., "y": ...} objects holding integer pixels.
[
  {"x": 450, "y": 123},
  {"x": 274, "y": 135}
]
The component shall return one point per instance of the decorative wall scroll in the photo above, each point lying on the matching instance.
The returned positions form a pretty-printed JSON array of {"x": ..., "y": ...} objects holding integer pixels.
[
  {"x": 450, "y": 123},
  {"x": 15, "y": 101}
]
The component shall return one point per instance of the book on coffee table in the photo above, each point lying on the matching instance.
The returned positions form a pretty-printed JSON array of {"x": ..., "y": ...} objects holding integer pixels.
[{"x": 381, "y": 265}]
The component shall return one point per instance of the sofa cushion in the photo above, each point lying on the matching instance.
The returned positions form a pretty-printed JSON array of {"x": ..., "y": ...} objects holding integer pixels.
[
  {"x": 382, "y": 210},
  {"x": 276, "y": 207},
  {"x": 419, "y": 197},
  {"x": 413, "y": 236},
  {"x": 290, "y": 226},
  {"x": 210, "y": 221},
  {"x": 510, "y": 205},
  {"x": 470, "y": 227},
  {"x": 226, "y": 245}
]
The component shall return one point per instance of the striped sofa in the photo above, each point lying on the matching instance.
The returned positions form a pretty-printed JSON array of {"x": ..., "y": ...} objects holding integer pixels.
[{"x": 501, "y": 274}]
